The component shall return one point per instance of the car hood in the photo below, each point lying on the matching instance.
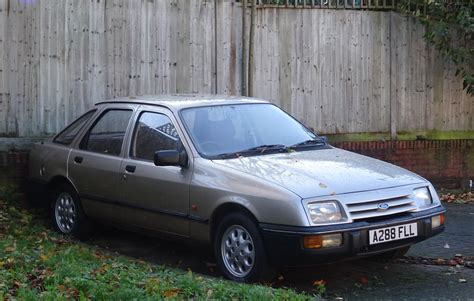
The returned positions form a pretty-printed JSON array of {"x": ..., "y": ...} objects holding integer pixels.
[{"x": 323, "y": 172}]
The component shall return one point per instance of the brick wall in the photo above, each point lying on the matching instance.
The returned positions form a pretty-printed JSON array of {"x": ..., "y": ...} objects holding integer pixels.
[
  {"x": 13, "y": 167},
  {"x": 446, "y": 163}
]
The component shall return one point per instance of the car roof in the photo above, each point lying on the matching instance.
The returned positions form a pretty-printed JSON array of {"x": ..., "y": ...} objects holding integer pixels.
[{"x": 180, "y": 101}]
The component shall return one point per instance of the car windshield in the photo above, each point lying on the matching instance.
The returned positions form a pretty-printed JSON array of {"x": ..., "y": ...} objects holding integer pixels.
[{"x": 227, "y": 131}]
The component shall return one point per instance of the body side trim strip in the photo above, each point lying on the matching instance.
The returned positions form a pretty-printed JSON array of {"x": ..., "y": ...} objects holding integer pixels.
[{"x": 176, "y": 214}]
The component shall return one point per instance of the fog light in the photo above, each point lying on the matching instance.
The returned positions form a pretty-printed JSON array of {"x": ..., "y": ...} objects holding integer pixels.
[
  {"x": 322, "y": 241},
  {"x": 437, "y": 221}
]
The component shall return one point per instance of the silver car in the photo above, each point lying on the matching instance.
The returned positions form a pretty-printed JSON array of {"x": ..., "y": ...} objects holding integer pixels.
[{"x": 238, "y": 174}]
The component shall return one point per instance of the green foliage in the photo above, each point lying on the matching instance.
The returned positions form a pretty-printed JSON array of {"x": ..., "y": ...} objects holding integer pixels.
[
  {"x": 450, "y": 28},
  {"x": 39, "y": 264}
]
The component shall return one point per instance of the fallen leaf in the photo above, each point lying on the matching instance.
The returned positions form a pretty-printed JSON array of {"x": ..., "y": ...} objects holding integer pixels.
[
  {"x": 364, "y": 280},
  {"x": 440, "y": 261},
  {"x": 171, "y": 293},
  {"x": 281, "y": 277},
  {"x": 446, "y": 246},
  {"x": 322, "y": 185},
  {"x": 319, "y": 282},
  {"x": 462, "y": 280},
  {"x": 452, "y": 262}
]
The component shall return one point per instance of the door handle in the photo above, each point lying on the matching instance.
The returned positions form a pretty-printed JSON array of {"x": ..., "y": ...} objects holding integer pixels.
[
  {"x": 130, "y": 168},
  {"x": 78, "y": 159}
]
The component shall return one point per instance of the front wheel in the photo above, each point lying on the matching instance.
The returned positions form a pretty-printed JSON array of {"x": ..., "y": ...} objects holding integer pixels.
[
  {"x": 68, "y": 216},
  {"x": 239, "y": 250}
]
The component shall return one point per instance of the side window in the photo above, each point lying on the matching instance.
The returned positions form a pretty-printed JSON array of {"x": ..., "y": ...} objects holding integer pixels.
[
  {"x": 153, "y": 132},
  {"x": 107, "y": 134},
  {"x": 69, "y": 133}
]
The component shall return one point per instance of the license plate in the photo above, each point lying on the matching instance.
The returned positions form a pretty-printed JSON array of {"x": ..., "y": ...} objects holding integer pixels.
[{"x": 392, "y": 233}]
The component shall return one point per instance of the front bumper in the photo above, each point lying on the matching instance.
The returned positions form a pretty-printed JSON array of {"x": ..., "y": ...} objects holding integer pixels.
[{"x": 284, "y": 244}]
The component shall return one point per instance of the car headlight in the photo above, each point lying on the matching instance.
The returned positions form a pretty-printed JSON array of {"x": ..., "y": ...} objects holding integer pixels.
[
  {"x": 422, "y": 198},
  {"x": 325, "y": 212}
]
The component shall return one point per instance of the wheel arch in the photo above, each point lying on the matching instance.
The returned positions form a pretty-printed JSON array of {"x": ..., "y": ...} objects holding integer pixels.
[
  {"x": 224, "y": 209},
  {"x": 59, "y": 180}
]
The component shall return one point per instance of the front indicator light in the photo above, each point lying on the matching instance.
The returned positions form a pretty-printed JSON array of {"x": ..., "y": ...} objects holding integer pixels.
[
  {"x": 322, "y": 241},
  {"x": 437, "y": 221}
]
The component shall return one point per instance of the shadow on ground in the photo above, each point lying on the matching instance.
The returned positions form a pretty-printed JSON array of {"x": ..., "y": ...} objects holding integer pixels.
[{"x": 361, "y": 279}]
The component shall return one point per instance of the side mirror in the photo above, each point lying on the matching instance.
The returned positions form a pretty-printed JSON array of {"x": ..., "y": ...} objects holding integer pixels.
[
  {"x": 324, "y": 138},
  {"x": 171, "y": 158}
]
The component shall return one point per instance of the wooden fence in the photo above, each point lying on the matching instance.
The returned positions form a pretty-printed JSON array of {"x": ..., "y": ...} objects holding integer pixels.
[
  {"x": 339, "y": 71},
  {"x": 337, "y": 4}
]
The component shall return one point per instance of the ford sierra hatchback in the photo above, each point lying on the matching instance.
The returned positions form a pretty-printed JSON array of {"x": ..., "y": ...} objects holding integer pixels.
[{"x": 238, "y": 174}]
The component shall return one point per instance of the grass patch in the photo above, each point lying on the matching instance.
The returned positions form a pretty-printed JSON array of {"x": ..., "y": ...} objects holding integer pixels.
[{"x": 37, "y": 263}]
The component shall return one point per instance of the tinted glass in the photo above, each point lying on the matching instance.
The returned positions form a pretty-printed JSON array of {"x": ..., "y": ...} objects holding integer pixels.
[
  {"x": 231, "y": 128},
  {"x": 154, "y": 132},
  {"x": 107, "y": 134},
  {"x": 69, "y": 133}
]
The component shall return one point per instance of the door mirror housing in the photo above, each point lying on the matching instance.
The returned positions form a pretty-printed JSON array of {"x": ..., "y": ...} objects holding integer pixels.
[
  {"x": 325, "y": 139},
  {"x": 171, "y": 158}
]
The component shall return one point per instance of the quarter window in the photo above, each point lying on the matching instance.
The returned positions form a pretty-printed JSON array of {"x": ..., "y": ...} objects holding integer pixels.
[
  {"x": 107, "y": 134},
  {"x": 69, "y": 133},
  {"x": 154, "y": 132}
]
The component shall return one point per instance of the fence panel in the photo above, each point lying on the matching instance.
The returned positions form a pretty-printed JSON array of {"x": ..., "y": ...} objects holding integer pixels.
[{"x": 337, "y": 70}]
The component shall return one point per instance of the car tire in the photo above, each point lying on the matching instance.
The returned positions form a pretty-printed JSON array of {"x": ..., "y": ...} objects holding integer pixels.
[
  {"x": 392, "y": 255},
  {"x": 239, "y": 249},
  {"x": 67, "y": 213}
]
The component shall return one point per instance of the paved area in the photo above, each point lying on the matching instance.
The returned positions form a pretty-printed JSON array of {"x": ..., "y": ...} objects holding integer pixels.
[
  {"x": 356, "y": 280},
  {"x": 458, "y": 238}
]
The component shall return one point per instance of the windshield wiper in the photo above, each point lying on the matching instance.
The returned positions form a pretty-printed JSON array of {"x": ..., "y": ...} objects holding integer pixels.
[
  {"x": 253, "y": 150},
  {"x": 310, "y": 142},
  {"x": 263, "y": 148}
]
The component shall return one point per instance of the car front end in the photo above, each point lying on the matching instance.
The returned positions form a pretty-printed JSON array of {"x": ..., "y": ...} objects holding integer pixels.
[
  {"x": 357, "y": 224},
  {"x": 312, "y": 203}
]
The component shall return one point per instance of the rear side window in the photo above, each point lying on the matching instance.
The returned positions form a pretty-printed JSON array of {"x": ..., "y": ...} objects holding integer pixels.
[
  {"x": 107, "y": 134},
  {"x": 69, "y": 133},
  {"x": 154, "y": 132}
]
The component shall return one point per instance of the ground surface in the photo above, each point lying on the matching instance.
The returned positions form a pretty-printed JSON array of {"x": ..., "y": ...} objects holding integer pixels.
[
  {"x": 357, "y": 280},
  {"x": 37, "y": 263}
]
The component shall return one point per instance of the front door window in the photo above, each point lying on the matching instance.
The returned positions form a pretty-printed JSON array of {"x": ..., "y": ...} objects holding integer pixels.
[{"x": 154, "y": 132}]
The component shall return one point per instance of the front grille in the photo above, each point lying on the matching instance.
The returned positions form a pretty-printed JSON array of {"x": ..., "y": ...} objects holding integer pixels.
[{"x": 363, "y": 210}]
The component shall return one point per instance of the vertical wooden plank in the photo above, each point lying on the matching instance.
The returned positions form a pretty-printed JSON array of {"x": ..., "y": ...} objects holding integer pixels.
[
  {"x": 285, "y": 60},
  {"x": 399, "y": 69},
  {"x": 317, "y": 70},
  {"x": 338, "y": 71},
  {"x": 4, "y": 91}
]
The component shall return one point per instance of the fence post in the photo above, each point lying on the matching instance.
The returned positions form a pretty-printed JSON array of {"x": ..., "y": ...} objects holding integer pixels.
[
  {"x": 216, "y": 90},
  {"x": 244, "y": 50},
  {"x": 251, "y": 48},
  {"x": 393, "y": 87}
]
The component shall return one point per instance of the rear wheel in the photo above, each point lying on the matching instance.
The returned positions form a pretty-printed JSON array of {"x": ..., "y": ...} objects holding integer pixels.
[
  {"x": 68, "y": 216},
  {"x": 239, "y": 250}
]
